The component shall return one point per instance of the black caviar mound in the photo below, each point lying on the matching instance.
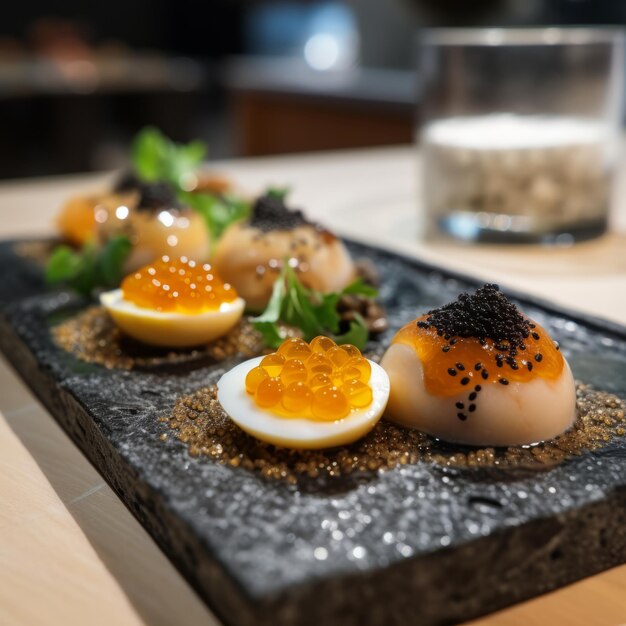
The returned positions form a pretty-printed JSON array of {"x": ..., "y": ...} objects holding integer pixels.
[
  {"x": 485, "y": 314},
  {"x": 153, "y": 196},
  {"x": 126, "y": 181},
  {"x": 271, "y": 213},
  {"x": 157, "y": 196}
]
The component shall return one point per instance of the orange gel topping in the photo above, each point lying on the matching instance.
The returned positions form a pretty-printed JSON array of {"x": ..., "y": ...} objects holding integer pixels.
[
  {"x": 320, "y": 381},
  {"x": 181, "y": 286},
  {"x": 461, "y": 363}
]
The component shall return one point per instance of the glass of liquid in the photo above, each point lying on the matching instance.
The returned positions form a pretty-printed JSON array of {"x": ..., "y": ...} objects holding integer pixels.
[{"x": 520, "y": 132}]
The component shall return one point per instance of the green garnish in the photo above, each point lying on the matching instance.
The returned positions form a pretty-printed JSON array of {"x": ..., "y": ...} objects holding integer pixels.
[
  {"x": 312, "y": 312},
  {"x": 157, "y": 158},
  {"x": 277, "y": 192},
  {"x": 91, "y": 267},
  {"x": 219, "y": 212}
]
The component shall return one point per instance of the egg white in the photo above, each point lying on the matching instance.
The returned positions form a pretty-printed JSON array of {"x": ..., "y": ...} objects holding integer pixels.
[
  {"x": 171, "y": 329},
  {"x": 298, "y": 432},
  {"x": 516, "y": 414}
]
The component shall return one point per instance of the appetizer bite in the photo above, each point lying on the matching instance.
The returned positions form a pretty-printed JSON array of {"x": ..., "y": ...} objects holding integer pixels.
[
  {"x": 306, "y": 396},
  {"x": 250, "y": 253},
  {"x": 155, "y": 222},
  {"x": 174, "y": 303},
  {"x": 477, "y": 371},
  {"x": 162, "y": 206}
]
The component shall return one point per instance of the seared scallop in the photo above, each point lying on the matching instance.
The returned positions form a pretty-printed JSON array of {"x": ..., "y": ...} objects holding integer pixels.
[{"x": 250, "y": 254}]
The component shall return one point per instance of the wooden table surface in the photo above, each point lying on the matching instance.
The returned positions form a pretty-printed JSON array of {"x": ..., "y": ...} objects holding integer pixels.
[{"x": 70, "y": 553}]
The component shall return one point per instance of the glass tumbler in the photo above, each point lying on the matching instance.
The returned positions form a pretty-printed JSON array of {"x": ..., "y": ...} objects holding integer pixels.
[{"x": 520, "y": 131}]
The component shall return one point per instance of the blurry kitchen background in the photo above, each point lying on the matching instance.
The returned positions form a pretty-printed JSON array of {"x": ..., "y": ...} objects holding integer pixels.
[{"x": 78, "y": 79}]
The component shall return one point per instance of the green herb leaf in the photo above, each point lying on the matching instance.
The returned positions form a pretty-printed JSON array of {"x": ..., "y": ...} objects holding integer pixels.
[
  {"x": 267, "y": 322},
  {"x": 219, "y": 212},
  {"x": 111, "y": 260},
  {"x": 90, "y": 267},
  {"x": 155, "y": 157},
  {"x": 326, "y": 311},
  {"x": 63, "y": 265},
  {"x": 357, "y": 334},
  {"x": 313, "y": 313},
  {"x": 277, "y": 192},
  {"x": 360, "y": 288}
]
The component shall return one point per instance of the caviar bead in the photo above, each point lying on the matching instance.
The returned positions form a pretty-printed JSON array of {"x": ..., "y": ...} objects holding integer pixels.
[
  {"x": 359, "y": 394},
  {"x": 363, "y": 365},
  {"x": 317, "y": 363},
  {"x": 350, "y": 350},
  {"x": 346, "y": 374},
  {"x": 269, "y": 392},
  {"x": 254, "y": 378},
  {"x": 273, "y": 364},
  {"x": 330, "y": 403},
  {"x": 337, "y": 356},
  {"x": 322, "y": 344},
  {"x": 294, "y": 371},
  {"x": 320, "y": 380},
  {"x": 295, "y": 349},
  {"x": 297, "y": 397}
]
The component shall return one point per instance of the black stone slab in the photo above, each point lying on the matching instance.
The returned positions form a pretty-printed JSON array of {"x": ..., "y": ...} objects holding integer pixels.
[{"x": 421, "y": 543}]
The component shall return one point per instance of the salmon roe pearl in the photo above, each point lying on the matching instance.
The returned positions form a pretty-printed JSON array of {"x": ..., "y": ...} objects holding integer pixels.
[
  {"x": 273, "y": 364},
  {"x": 361, "y": 364},
  {"x": 269, "y": 392},
  {"x": 297, "y": 397},
  {"x": 295, "y": 349},
  {"x": 318, "y": 364},
  {"x": 177, "y": 285},
  {"x": 330, "y": 403},
  {"x": 322, "y": 344},
  {"x": 294, "y": 371},
  {"x": 337, "y": 356},
  {"x": 320, "y": 380},
  {"x": 254, "y": 378},
  {"x": 359, "y": 394}
]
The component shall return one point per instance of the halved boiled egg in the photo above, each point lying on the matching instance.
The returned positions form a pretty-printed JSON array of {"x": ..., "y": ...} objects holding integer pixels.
[
  {"x": 478, "y": 372},
  {"x": 306, "y": 396},
  {"x": 174, "y": 303}
]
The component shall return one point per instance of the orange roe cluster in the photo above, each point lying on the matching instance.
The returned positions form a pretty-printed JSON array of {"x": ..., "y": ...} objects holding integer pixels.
[
  {"x": 177, "y": 285},
  {"x": 318, "y": 380}
]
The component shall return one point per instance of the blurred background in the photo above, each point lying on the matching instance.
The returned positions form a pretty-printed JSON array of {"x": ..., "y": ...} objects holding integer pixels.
[{"x": 249, "y": 77}]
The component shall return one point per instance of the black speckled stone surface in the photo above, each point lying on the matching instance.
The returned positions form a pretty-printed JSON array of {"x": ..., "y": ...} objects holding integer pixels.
[{"x": 420, "y": 544}]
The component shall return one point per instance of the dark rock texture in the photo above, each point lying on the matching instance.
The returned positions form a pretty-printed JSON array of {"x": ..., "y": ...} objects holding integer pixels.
[{"x": 420, "y": 544}]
